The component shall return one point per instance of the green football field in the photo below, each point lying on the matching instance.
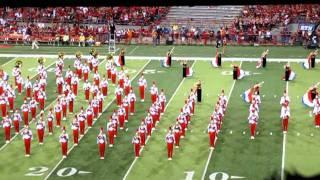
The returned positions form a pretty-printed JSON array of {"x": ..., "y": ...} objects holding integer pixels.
[{"x": 271, "y": 155}]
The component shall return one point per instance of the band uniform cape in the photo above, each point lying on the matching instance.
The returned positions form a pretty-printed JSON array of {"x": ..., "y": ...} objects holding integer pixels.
[{"x": 307, "y": 98}]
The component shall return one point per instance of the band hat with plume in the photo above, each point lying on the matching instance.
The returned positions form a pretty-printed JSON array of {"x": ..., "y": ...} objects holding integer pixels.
[
  {"x": 18, "y": 64},
  {"x": 78, "y": 54},
  {"x": 61, "y": 54},
  {"x": 41, "y": 60}
]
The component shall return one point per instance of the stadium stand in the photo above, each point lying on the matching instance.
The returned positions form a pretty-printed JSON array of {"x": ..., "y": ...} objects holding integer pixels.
[{"x": 182, "y": 25}]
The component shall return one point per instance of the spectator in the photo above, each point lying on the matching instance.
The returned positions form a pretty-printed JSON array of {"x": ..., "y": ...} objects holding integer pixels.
[
  {"x": 65, "y": 40},
  {"x": 90, "y": 41},
  {"x": 82, "y": 40}
]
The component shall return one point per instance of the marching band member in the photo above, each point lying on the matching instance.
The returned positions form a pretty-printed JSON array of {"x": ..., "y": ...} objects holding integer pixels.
[
  {"x": 127, "y": 85},
  {"x": 57, "y": 110},
  {"x": 63, "y": 139},
  {"x": 41, "y": 97},
  {"x": 96, "y": 78},
  {"x": 95, "y": 62},
  {"x": 311, "y": 60},
  {"x": 100, "y": 99},
  {"x": 163, "y": 100},
  {"x": 16, "y": 71},
  {"x": 289, "y": 75},
  {"x": 50, "y": 119},
  {"x": 87, "y": 88},
  {"x": 169, "y": 58},
  {"x": 237, "y": 72},
  {"x": 27, "y": 137},
  {"x": 136, "y": 141},
  {"x": 75, "y": 130},
  {"x": 113, "y": 75},
  {"x": 95, "y": 106},
  {"x": 111, "y": 132},
  {"x": 177, "y": 134},
  {"x": 28, "y": 87},
  {"x": 33, "y": 108},
  {"x": 121, "y": 57},
  {"x": 125, "y": 104},
  {"x": 253, "y": 121},
  {"x": 132, "y": 100},
  {"x": 121, "y": 77},
  {"x": 42, "y": 83},
  {"x": 309, "y": 96},
  {"x": 16, "y": 121},
  {"x": 10, "y": 93},
  {"x": 6, "y": 124},
  {"x": 85, "y": 71},
  {"x": 59, "y": 62},
  {"x": 95, "y": 90},
  {"x": 92, "y": 51},
  {"x": 149, "y": 123},
  {"x": 69, "y": 75},
  {"x": 70, "y": 99},
  {"x": 108, "y": 66},
  {"x": 212, "y": 129},
  {"x": 82, "y": 116},
  {"x": 217, "y": 61},
  {"x": 75, "y": 82},
  {"x": 170, "y": 141},
  {"x": 118, "y": 93},
  {"x": 142, "y": 133},
  {"x": 154, "y": 92},
  {"x": 121, "y": 116},
  {"x": 64, "y": 103},
  {"x": 40, "y": 126},
  {"x": 285, "y": 115},
  {"x": 25, "y": 110},
  {"x": 59, "y": 82},
  {"x": 316, "y": 111},
  {"x": 101, "y": 141},
  {"x": 104, "y": 86},
  {"x": 115, "y": 122},
  {"x": 263, "y": 59},
  {"x": 77, "y": 64},
  {"x": 142, "y": 82},
  {"x": 4, "y": 103},
  {"x": 89, "y": 113},
  {"x": 19, "y": 84},
  {"x": 66, "y": 89},
  {"x": 285, "y": 98}
]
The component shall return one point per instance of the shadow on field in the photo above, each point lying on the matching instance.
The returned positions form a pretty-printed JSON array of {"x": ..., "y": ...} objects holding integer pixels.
[{"x": 293, "y": 176}]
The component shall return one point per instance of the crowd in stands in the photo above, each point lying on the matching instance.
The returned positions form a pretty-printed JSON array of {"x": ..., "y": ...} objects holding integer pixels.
[
  {"x": 88, "y": 15},
  {"x": 88, "y": 25}
]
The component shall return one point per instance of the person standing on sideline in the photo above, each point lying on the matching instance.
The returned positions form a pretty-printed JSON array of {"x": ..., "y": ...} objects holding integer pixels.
[{"x": 35, "y": 43}]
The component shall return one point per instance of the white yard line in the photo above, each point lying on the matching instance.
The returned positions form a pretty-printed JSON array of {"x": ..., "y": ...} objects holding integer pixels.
[
  {"x": 284, "y": 141},
  {"x": 104, "y": 109},
  {"x": 5, "y": 145},
  {"x": 133, "y": 50},
  {"x": 159, "y": 57},
  {"x": 175, "y": 92},
  {"x": 9, "y": 61},
  {"x": 211, "y": 151}
]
